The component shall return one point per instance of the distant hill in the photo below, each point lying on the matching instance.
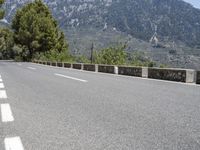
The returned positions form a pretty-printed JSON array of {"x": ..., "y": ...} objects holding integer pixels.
[{"x": 173, "y": 21}]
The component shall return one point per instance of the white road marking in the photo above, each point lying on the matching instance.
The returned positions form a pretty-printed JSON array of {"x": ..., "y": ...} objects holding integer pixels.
[
  {"x": 1, "y": 80},
  {"x": 19, "y": 64},
  {"x": 3, "y": 94},
  {"x": 13, "y": 143},
  {"x": 2, "y": 86},
  {"x": 31, "y": 68},
  {"x": 6, "y": 113},
  {"x": 68, "y": 77}
]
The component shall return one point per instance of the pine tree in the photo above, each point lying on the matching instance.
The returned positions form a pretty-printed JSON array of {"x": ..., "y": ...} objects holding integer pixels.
[
  {"x": 37, "y": 31},
  {"x": 6, "y": 44}
]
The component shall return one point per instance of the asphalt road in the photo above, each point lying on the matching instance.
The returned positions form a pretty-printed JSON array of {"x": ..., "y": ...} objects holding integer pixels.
[{"x": 48, "y": 108}]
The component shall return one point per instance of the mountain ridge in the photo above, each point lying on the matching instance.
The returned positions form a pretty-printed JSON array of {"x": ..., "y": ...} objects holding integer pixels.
[
  {"x": 168, "y": 21},
  {"x": 175, "y": 19}
]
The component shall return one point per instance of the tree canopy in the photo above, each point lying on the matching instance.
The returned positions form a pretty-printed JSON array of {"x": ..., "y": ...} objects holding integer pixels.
[
  {"x": 6, "y": 44},
  {"x": 37, "y": 32}
]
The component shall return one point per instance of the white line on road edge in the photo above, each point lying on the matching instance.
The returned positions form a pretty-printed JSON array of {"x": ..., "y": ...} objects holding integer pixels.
[
  {"x": 1, "y": 80},
  {"x": 31, "y": 68},
  {"x": 3, "y": 94},
  {"x": 13, "y": 143},
  {"x": 2, "y": 86},
  {"x": 6, "y": 113},
  {"x": 68, "y": 77}
]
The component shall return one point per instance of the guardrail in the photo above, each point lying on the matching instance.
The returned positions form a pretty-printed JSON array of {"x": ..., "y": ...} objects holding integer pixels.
[{"x": 170, "y": 74}]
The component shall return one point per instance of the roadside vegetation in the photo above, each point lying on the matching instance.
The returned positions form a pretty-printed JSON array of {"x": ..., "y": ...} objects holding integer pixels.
[
  {"x": 35, "y": 34},
  {"x": 111, "y": 55}
]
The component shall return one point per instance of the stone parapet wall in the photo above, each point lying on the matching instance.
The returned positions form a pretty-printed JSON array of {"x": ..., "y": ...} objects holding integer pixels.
[
  {"x": 48, "y": 63},
  {"x": 89, "y": 67},
  {"x": 77, "y": 66},
  {"x": 170, "y": 74},
  {"x": 130, "y": 71},
  {"x": 54, "y": 63},
  {"x": 167, "y": 74},
  {"x": 106, "y": 69},
  {"x": 59, "y": 64},
  {"x": 67, "y": 65}
]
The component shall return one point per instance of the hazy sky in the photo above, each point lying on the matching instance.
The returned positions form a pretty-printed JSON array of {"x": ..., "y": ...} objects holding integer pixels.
[{"x": 196, "y": 3}]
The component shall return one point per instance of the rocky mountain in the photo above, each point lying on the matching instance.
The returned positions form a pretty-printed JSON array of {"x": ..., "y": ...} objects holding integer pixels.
[{"x": 171, "y": 25}]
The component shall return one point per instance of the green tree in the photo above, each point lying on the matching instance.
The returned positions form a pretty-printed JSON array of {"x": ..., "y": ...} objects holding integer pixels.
[
  {"x": 111, "y": 56},
  {"x": 6, "y": 44},
  {"x": 37, "y": 33},
  {"x": 2, "y": 12}
]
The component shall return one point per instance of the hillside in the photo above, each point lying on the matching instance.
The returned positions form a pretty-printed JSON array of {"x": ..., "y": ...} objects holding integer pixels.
[{"x": 175, "y": 23}]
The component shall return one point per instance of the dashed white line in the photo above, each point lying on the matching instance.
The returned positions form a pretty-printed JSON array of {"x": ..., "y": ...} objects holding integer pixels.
[
  {"x": 13, "y": 143},
  {"x": 2, "y": 86},
  {"x": 3, "y": 94},
  {"x": 31, "y": 68},
  {"x": 68, "y": 77},
  {"x": 6, "y": 113}
]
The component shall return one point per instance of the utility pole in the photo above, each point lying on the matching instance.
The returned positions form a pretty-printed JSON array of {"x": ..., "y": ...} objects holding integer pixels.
[{"x": 92, "y": 51}]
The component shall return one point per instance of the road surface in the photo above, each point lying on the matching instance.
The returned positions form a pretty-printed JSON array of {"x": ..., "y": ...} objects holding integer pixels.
[{"x": 49, "y": 108}]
